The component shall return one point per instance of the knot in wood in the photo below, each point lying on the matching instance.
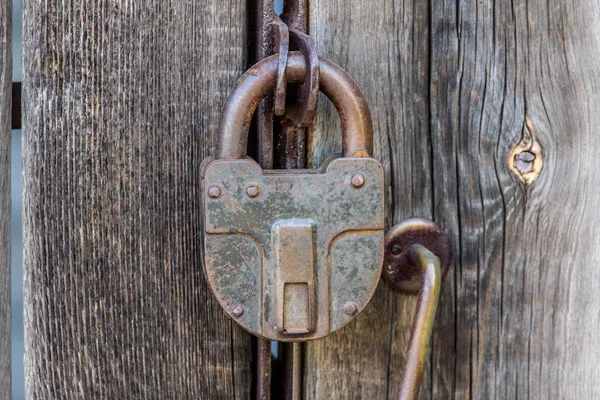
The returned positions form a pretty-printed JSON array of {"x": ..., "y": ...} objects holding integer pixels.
[
  {"x": 525, "y": 158},
  {"x": 524, "y": 162}
]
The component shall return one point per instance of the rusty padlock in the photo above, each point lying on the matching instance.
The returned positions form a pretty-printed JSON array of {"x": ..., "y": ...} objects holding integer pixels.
[{"x": 293, "y": 255}]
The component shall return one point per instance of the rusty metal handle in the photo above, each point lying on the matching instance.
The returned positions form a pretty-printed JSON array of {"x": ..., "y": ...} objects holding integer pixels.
[
  {"x": 423, "y": 323},
  {"x": 261, "y": 79},
  {"x": 417, "y": 254}
]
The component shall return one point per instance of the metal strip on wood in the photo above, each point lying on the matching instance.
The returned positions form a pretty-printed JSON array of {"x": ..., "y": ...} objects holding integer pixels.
[{"x": 287, "y": 150}]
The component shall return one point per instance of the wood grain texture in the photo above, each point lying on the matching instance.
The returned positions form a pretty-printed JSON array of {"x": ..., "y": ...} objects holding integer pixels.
[
  {"x": 454, "y": 87},
  {"x": 5, "y": 134},
  {"x": 385, "y": 50},
  {"x": 121, "y": 101}
]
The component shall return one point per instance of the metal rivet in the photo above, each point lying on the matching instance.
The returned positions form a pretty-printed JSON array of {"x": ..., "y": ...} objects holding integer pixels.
[
  {"x": 358, "y": 180},
  {"x": 351, "y": 308},
  {"x": 238, "y": 311},
  {"x": 253, "y": 191},
  {"x": 214, "y": 192}
]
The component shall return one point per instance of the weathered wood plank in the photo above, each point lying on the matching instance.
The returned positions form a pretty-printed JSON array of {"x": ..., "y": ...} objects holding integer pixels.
[
  {"x": 385, "y": 49},
  {"x": 520, "y": 309},
  {"x": 5, "y": 133},
  {"x": 121, "y": 100}
]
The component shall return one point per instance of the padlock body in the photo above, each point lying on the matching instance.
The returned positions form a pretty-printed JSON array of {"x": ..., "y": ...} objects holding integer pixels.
[{"x": 293, "y": 255}]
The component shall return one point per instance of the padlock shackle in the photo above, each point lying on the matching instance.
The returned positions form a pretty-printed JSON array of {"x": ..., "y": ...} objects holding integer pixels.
[{"x": 261, "y": 79}]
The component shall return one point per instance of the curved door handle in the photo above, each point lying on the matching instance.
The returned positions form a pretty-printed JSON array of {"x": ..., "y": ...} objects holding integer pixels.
[
  {"x": 423, "y": 323},
  {"x": 411, "y": 265}
]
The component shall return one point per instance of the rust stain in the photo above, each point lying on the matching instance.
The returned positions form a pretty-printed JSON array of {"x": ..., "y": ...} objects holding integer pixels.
[{"x": 525, "y": 159}]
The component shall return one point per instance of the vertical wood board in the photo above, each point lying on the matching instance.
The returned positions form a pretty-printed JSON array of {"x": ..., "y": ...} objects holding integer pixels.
[
  {"x": 121, "y": 101},
  {"x": 5, "y": 135},
  {"x": 457, "y": 91}
]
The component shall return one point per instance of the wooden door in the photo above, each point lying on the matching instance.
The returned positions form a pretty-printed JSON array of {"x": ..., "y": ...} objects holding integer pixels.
[{"x": 485, "y": 117}]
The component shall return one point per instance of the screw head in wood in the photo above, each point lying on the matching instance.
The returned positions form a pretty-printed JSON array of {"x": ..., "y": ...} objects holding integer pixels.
[
  {"x": 358, "y": 180},
  {"x": 214, "y": 192},
  {"x": 351, "y": 308},
  {"x": 253, "y": 191},
  {"x": 238, "y": 311}
]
